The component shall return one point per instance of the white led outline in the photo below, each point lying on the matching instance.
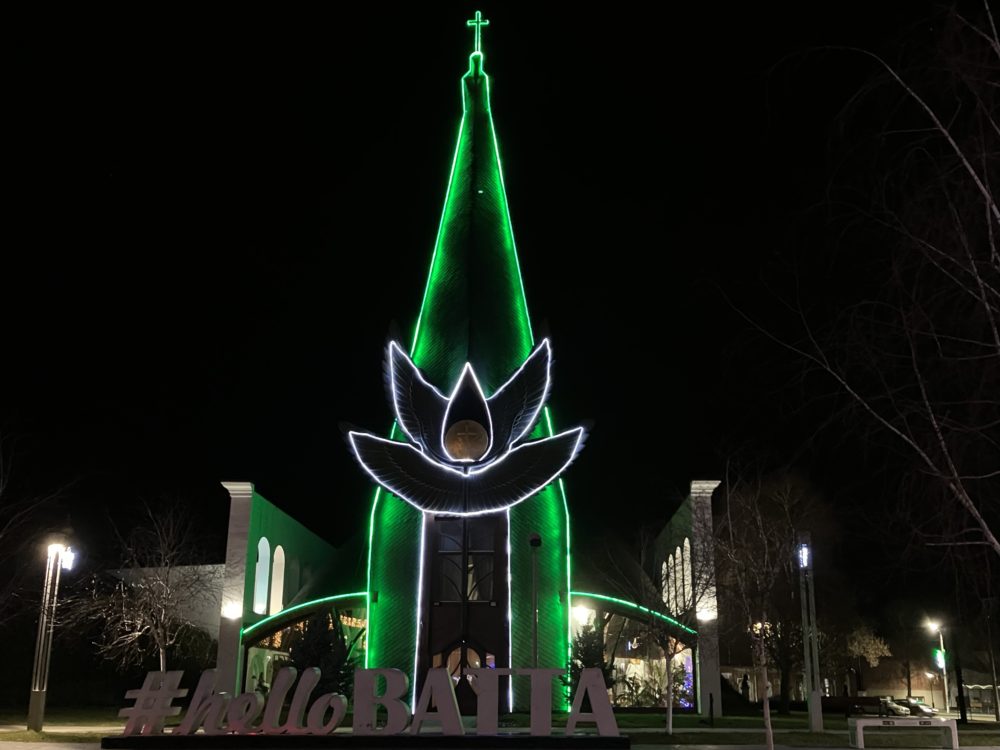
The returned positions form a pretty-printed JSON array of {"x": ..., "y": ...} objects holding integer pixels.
[
  {"x": 510, "y": 623},
  {"x": 393, "y": 346},
  {"x": 527, "y": 319},
  {"x": 472, "y": 472},
  {"x": 420, "y": 602},
  {"x": 454, "y": 470},
  {"x": 416, "y": 335},
  {"x": 545, "y": 393},
  {"x": 467, "y": 370}
]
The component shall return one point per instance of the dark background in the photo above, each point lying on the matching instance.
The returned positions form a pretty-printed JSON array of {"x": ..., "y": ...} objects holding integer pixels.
[{"x": 215, "y": 219}]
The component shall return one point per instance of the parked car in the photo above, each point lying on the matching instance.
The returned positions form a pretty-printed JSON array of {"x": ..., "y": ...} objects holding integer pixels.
[
  {"x": 891, "y": 708},
  {"x": 917, "y": 708}
]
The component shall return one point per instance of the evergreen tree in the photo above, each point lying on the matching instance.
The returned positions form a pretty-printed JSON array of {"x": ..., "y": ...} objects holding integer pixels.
[
  {"x": 588, "y": 651},
  {"x": 323, "y": 644}
]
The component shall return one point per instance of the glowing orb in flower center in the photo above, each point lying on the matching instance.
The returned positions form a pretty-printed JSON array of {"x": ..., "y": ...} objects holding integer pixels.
[{"x": 466, "y": 440}]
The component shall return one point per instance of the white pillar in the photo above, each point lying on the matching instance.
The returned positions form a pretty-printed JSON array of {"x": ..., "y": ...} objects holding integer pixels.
[
  {"x": 230, "y": 656},
  {"x": 703, "y": 549}
]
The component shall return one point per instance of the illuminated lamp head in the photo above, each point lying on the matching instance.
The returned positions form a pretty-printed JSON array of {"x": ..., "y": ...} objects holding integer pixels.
[{"x": 468, "y": 454}]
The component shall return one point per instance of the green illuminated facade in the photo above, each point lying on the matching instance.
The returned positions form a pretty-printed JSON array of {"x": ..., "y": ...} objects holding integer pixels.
[
  {"x": 437, "y": 589},
  {"x": 474, "y": 310}
]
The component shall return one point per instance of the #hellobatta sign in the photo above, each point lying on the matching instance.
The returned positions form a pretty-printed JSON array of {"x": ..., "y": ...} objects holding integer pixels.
[{"x": 216, "y": 713}]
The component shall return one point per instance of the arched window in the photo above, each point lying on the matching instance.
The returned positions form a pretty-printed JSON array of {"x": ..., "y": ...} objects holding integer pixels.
[
  {"x": 665, "y": 584},
  {"x": 261, "y": 575},
  {"x": 688, "y": 576},
  {"x": 672, "y": 584},
  {"x": 678, "y": 582},
  {"x": 277, "y": 581}
]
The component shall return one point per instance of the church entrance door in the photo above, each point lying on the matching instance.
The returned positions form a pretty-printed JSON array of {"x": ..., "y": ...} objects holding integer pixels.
[{"x": 465, "y": 600}]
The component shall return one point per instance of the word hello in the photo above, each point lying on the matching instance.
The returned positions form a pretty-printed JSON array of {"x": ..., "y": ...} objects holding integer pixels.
[{"x": 220, "y": 713}]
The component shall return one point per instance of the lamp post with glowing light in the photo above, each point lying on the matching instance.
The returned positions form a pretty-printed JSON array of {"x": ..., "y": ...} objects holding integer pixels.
[
  {"x": 935, "y": 627},
  {"x": 810, "y": 637},
  {"x": 60, "y": 557}
]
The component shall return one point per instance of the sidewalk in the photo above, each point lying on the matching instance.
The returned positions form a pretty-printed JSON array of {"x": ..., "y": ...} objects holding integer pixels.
[{"x": 67, "y": 728}]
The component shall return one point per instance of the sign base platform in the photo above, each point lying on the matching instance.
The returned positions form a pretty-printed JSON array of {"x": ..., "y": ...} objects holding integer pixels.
[{"x": 347, "y": 741}]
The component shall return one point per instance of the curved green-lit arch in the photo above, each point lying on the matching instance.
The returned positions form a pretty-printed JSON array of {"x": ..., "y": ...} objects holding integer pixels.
[
  {"x": 292, "y": 614},
  {"x": 630, "y": 609}
]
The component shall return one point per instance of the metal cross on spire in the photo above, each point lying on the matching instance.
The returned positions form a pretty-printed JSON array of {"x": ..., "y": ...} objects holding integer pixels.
[{"x": 478, "y": 22}]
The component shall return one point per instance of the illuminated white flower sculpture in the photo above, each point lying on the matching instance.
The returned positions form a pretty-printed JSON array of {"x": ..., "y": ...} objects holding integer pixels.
[{"x": 468, "y": 455}]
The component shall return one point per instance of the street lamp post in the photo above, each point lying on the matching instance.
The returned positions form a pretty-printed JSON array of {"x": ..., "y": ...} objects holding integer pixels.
[
  {"x": 935, "y": 627},
  {"x": 535, "y": 540},
  {"x": 810, "y": 639},
  {"x": 60, "y": 557}
]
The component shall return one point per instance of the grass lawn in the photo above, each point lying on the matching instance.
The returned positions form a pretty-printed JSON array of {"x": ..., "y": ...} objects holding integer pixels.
[
  {"x": 892, "y": 738},
  {"x": 683, "y": 721},
  {"x": 658, "y": 720}
]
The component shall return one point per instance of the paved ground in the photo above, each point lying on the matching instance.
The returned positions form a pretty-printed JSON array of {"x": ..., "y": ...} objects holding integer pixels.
[{"x": 66, "y": 728}]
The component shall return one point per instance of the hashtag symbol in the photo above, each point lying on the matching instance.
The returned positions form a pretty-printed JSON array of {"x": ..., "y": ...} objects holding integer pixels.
[{"x": 153, "y": 703}]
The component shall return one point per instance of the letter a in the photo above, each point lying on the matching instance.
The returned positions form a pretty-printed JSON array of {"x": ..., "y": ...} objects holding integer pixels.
[
  {"x": 592, "y": 685},
  {"x": 439, "y": 690}
]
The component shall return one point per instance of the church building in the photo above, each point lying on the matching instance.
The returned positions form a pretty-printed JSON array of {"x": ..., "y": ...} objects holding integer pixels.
[{"x": 484, "y": 580}]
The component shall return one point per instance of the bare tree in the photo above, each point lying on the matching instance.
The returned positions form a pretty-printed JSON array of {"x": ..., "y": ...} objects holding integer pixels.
[
  {"x": 677, "y": 583},
  {"x": 755, "y": 546},
  {"x": 145, "y": 607},
  {"x": 920, "y": 357}
]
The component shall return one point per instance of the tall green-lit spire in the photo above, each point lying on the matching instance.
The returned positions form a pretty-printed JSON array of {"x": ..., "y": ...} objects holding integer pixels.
[{"x": 473, "y": 310}]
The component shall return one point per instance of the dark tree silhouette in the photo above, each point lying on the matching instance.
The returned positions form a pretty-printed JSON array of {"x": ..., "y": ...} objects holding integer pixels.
[
  {"x": 144, "y": 608},
  {"x": 322, "y": 643}
]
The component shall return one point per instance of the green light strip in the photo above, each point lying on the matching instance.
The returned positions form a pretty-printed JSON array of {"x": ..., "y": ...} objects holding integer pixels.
[
  {"x": 368, "y": 581},
  {"x": 526, "y": 323},
  {"x": 633, "y": 605},
  {"x": 413, "y": 347},
  {"x": 285, "y": 612},
  {"x": 437, "y": 239},
  {"x": 371, "y": 537},
  {"x": 569, "y": 554}
]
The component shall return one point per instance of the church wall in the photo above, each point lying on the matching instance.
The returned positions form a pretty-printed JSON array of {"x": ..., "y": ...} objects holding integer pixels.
[
  {"x": 395, "y": 565},
  {"x": 308, "y": 558},
  {"x": 545, "y": 515}
]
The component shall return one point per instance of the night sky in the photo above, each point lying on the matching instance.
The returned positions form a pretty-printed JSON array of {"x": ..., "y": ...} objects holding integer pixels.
[{"x": 216, "y": 219}]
